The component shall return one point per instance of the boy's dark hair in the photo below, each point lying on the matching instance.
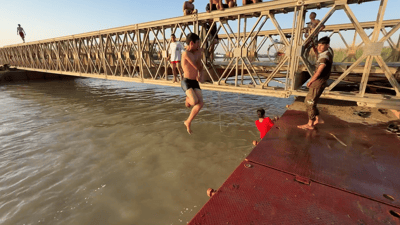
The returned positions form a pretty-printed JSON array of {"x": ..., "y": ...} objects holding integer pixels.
[
  {"x": 172, "y": 35},
  {"x": 313, "y": 13},
  {"x": 325, "y": 40},
  {"x": 192, "y": 37},
  {"x": 260, "y": 113}
]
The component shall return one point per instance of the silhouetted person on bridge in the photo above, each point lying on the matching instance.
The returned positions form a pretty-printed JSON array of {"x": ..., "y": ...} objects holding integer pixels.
[
  {"x": 193, "y": 73},
  {"x": 21, "y": 32},
  {"x": 175, "y": 50},
  {"x": 188, "y": 8},
  {"x": 317, "y": 83}
]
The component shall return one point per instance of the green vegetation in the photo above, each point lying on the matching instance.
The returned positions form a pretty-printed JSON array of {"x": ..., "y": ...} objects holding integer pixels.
[{"x": 341, "y": 53}]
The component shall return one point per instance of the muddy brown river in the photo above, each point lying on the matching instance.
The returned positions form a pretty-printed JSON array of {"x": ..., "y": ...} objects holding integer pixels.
[{"x": 87, "y": 151}]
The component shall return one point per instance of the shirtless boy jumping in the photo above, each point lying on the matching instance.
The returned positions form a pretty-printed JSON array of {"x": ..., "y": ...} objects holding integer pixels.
[
  {"x": 21, "y": 32},
  {"x": 193, "y": 70}
]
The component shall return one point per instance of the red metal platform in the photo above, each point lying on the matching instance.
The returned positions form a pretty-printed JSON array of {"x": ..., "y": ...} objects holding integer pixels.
[{"x": 349, "y": 168}]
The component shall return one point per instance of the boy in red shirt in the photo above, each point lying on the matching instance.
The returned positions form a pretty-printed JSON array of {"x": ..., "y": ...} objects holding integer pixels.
[{"x": 263, "y": 124}]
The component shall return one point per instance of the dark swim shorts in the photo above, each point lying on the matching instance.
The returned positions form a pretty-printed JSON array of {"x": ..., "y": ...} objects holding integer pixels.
[{"x": 186, "y": 84}]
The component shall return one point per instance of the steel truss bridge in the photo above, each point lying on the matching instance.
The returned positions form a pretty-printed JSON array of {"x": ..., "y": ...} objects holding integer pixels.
[{"x": 139, "y": 52}]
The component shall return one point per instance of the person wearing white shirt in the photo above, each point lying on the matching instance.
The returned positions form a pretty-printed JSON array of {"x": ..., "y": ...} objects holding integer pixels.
[
  {"x": 21, "y": 32},
  {"x": 175, "y": 50}
]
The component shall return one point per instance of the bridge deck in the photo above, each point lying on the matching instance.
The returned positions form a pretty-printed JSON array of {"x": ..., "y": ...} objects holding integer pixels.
[
  {"x": 337, "y": 67},
  {"x": 349, "y": 179},
  {"x": 273, "y": 64}
]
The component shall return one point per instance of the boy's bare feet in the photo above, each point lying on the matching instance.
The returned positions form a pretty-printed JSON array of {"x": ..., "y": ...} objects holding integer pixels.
[
  {"x": 255, "y": 143},
  {"x": 187, "y": 127},
  {"x": 318, "y": 120},
  {"x": 306, "y": 127}
]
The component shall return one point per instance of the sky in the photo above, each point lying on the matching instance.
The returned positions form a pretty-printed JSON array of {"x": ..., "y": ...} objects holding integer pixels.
[{"x": 49, "y": 19}]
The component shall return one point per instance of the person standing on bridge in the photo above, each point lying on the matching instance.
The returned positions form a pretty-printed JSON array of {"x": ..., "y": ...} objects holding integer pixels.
[
  {"x": 21, "y": 32},
  {"x": 317, "y": 83},
  {"x": 175, "y": 50},
  {"x": 193, "y": 73}
]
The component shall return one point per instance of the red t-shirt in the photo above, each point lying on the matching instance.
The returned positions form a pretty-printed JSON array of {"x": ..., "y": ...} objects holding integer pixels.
[{"x": 264, "y": 126}]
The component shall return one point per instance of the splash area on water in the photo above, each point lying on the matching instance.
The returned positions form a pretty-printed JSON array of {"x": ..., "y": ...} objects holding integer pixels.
[{"x": 87, "y": 151}]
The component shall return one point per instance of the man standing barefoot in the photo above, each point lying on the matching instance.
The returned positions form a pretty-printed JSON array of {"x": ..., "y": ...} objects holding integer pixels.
[
  {"x": 193, "y": 70},
  {"x": 317, "y": 83}
]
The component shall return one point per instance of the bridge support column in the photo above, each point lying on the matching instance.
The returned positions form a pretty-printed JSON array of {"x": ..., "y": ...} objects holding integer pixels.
[{"x": 295, "y": 48}]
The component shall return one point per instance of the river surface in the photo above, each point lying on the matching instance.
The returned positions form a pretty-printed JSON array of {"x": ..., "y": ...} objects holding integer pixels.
[{"x": 88, "y": 151}]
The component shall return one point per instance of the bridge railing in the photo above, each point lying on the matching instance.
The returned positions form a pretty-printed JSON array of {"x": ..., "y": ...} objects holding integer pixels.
[{"x": 140, "y": 52}]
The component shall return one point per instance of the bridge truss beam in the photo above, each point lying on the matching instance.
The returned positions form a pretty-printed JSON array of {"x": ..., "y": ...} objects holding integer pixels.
[{"x": 139, "y": 52}]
